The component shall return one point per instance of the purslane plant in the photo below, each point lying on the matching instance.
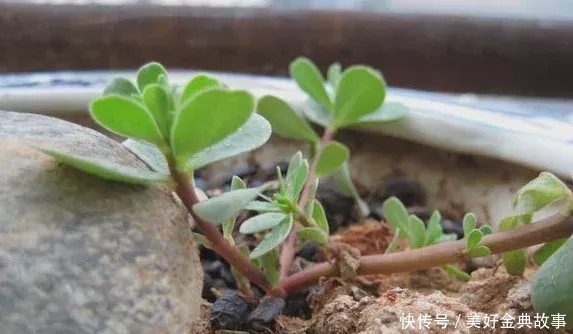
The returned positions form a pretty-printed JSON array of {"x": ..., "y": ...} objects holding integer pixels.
[{"x": 177, "y": 130}]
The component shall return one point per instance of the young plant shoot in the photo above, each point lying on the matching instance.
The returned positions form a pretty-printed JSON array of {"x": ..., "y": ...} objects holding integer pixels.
[{"x": 178, "y": 130}]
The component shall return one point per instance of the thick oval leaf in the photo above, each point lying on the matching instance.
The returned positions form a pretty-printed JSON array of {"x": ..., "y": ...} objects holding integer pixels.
[
  {"x": 261, "y": 222},
  {"x": 396, "y": 215},
  {"x": 284, "y": 120},
  {"x": 319, "y": 217},
  {"x": 199, "y": 83},
  {"x": 389, "y": 112},
  {"x": 310, "y": 80},
  {"x": 270, "y": 265},
  {"x": 360, "y": 92},
  {"x": 316, "y": 114},
  {"x": 540, "y": 192},
  {"x": 417, "y": 231},
  {"x": 297, "y": 173},
  {"x": 434, "y": 229},
  {"x": 552, "y": 284},
  {"x": 312, "y": 234},
  {"x": 341, "y": 176},
  {"x": 121, "y": 86},
  {"x": 261, "y": 206},
  {"x": 543, "y": 253},
  {"x": 473, "y": 239},
  {"x": 226, "y": 206},
  {"x": 486, "y": 229},
  {"x": 208, "y": 118},
  {"x": 107, "y": 170},
  {"x": 469, "y": 223},
  {"x": 149, "y": 154},
  {"x": 333, "y": 155},
  {"x": 479, "y": 251},
  {"x": 514, "y": 261},
  {"x": 333, "y": 75},
  {"x": 127, "y": 117},
  {"x": 158, "y": 102},
  {"x": 274, "y": 238},
  {"x": 149, "y": 74},
  {"x": 250, "y": 136}
]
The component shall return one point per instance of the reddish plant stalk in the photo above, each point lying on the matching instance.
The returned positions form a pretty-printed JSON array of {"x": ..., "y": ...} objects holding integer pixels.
[
  {"x": 545, "y": 230},
  {"x": 219, "y": 244},
  {"x": 288, "y": 250}
]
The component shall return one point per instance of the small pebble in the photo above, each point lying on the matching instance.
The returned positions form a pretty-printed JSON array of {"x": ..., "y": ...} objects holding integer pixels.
[
  {"x": 229, "y": 311},
  {"x": 265, "y": 313}
]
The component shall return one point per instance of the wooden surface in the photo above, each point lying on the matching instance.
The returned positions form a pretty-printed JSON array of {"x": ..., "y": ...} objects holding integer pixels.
[{"x": 424, "y": 52}]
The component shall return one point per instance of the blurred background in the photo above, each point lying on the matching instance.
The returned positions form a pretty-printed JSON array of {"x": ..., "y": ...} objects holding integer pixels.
[{"x": 501, "y": 47}]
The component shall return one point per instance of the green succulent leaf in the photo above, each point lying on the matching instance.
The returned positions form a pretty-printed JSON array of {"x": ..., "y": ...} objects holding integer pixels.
[
  {"x": 312, "y": 234},
  {"x": 105, "y": 169},
  {"x": 447, "y": 237},
  {"x": 333, "y": 74},
  {"x": 254, "y": 133},
  {"x": 319, "y": 217},
  {"x": 121, "y": 86},
  {"x": 297, "y": 173},
  {"x": 396, "y": 215},
  {"x": 207, "y": 118},
  {"x": 310, "y": 81},
  {"x": 262, "y": 206},
  {"x": 261, "y": 222},
  {"x": 389, "y": 112},
  {"x": 434, "y": 229},
  {"x": 473, "y": 239},
  {"x": 360, "y": 92},
  {"x": 274, "y": 238},
  {"x": 126, "y": 117},
  {"x": 341, "y": 176},
  {"x": 394, "y": 243},
  {"x": 270, "y": 265},
  {"x": 417, "y": 232},
  {"x": 316, "y": 114},
  {"x": 159, "y": 103},
  {"x": 284, "y": 120},
  {"x": 514, "y": 261},
  {"x": 540, "y": 192},
  {"x": 469, "y": 223},
  {"x": 149, "y": 154},
  {"x": 456, "y": 272},
  {"x": 150, "y": 73},
  {"x": 479, "y": 251},
  {"x": 552, "y": 284},
  {"x": 198, "y": 84},
  {"x": 236, "y": 184},
  {"x": 543, "y": 253},
  {"x": 486, "y": 229},
  {"x": 218, "y": 210},
  {"x": 333, "y": 155}
]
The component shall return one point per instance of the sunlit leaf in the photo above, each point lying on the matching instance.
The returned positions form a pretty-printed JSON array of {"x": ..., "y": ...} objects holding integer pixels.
[
  {"x": 469, "y": 223},
  {"x": 274, "y": 238},
  {"x": 105, "y": 169},
  {"x": 360, "y": 92},
  {"x": 207, "y": 118},
  {"x": 284, "y": 120},
  {"x": 333, "y": 155},
  {"x": 159, "y": 103},
  {"x": 396, "y": 215},
  {"x": 261, "y": 222},
  {"x": 480, "y": 251},
  {"x": 417, "y": 232},
  {"x": 219, "y": 209},
  {"x": 473, "y": 239},
  {"x": 310, "y": 80},
  {"x": 333, "y": 74},
  {"x": 540, "y": 192},
  {"x": 254, "y": 133},
  {"x": 434, "y": 229},
  {"x": 149, "y": 74},
  {"x": 127, "y": 117},
  {"x": 198, "y": 84}
]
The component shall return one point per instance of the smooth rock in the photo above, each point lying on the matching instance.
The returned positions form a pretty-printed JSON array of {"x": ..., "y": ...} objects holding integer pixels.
[{"x": 81, "y": 255}]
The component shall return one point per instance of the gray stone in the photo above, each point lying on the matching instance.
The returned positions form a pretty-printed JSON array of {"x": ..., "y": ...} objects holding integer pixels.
[{"x": 81, "y": 255}]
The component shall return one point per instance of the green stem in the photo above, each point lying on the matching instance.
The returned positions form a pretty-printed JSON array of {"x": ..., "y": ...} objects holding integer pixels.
[{"x": 545, "y": 230}]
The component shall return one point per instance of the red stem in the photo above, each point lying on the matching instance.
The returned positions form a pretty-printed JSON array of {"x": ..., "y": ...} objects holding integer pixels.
[
  {"x": 548, "y": 229},
  {"x": 219, "y": 244},
  {"x": 288, "y": 250}
]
